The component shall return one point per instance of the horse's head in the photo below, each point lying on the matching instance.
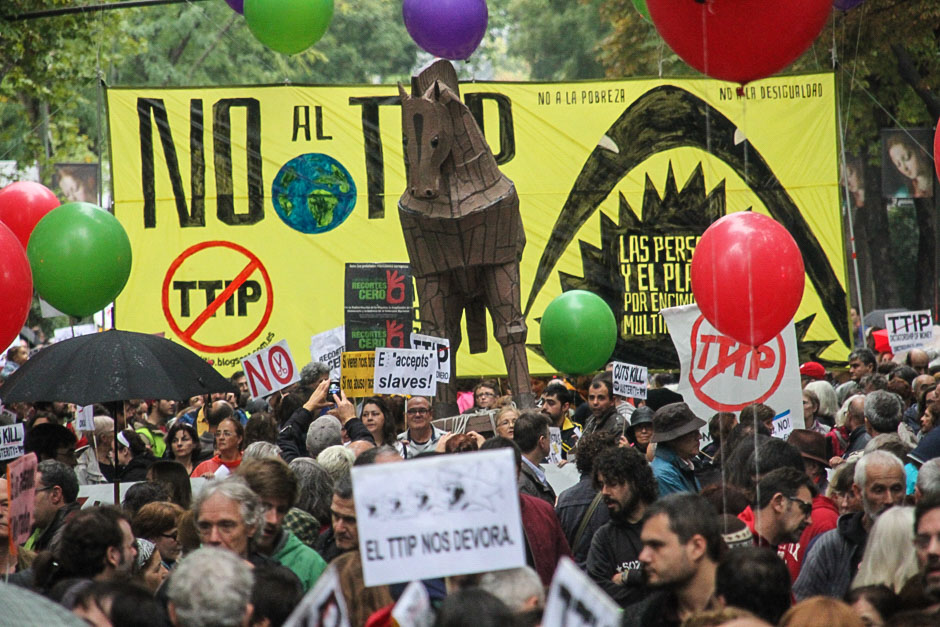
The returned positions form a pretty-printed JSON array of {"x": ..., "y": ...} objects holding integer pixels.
[{"x": 428, "y": 131}]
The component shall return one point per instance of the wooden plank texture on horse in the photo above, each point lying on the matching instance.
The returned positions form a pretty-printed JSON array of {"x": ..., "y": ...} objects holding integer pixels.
[{"x": 462, "y": 228}]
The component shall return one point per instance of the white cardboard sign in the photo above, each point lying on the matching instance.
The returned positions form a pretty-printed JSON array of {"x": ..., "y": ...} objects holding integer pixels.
[
  {"x": 720, "y": 374},
  {"x": 576, "y": 601},
  {"x": 405, "y": 371},
  {"x": 11, "y": 441},
  {"x": 441, "y": 347},
  {"x": 909, "y": 329},
  {"x": 438, "y": 516},
  {"x": 629, "y": 381},
  {"x": 783, "y": 425},
  {"x": 328, "y": 347},
  {"x": 414, "y": 607},
  {"x": 323, "y": 606},
  {"x": 270, "y": 369},
  {"x": 554, "y": 454},
  {"x": 85, "y": 417}
]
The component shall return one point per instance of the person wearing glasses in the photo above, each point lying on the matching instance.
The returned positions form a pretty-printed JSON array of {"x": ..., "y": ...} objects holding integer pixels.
[
  {"x": 158, "y": 523},
  {"x": 485, "y": 396},
  {"x": 784, "y": 508},
  {"x": 420, "y": 436}
]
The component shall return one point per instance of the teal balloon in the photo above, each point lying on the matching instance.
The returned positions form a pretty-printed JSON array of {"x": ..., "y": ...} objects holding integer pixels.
[
  {"x": 288, "y": 26},
  {"x": 80, "y": 257},
  {"x": 578, "y": 332}
]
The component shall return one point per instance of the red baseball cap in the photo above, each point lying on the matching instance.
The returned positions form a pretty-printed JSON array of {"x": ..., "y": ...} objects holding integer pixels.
[{"x": 813, "y": 370}]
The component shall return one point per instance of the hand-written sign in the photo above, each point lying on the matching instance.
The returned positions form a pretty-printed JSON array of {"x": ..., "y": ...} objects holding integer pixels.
[
  {"x": 909, "y": 329},
  {"x": 575, "y": 601},
  {"x": 554, "y": 453},
  {"x": 323, "y": 606},
  {"x": 405, "y": 371},
  {"x": 441, "y": 347},
  {"x": 85, "y": 418},
  {"x": 438, "y": 516},
  {"x": 11, "y": 441},
  {"x": 783, "y": 425},
  {"x": 270, "y": 369},
  {"x": 328, "y": 347},
  {"x": 629, "y": 380},
  {"x": 21, "y": 490},
  {"x": 356, "y": 373}
]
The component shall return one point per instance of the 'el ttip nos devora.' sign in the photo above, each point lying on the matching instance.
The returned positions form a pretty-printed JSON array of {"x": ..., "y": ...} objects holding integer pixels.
[{"x": 438, "y": 516}]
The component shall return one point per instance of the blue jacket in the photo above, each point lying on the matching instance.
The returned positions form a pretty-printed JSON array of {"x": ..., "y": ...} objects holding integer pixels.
[{"x": 671, "y": 474}]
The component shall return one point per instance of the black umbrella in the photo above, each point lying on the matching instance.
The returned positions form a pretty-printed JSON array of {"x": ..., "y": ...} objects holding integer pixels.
[
  {"x": 876, "y": 318},
  {"x": 112, "y": 366}
]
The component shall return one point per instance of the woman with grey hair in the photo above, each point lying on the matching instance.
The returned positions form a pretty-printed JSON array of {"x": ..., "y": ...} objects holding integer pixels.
[
  {"x": 210, "y": 588},
  {"x": 312, "y": 509},
  {"x": 98, "y": 452},
  {"x": 337, "y": 460}
]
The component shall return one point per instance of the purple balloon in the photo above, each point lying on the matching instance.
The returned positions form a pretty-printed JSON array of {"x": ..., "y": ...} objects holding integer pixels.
[
  {"x": 845, "y": 5},
  {"x": 237, "y": 5},
  {"x": 450, "y": 29}
]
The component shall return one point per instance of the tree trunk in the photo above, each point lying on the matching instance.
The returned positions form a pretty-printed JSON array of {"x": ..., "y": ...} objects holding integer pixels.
[{"x": 924, "y": 272}]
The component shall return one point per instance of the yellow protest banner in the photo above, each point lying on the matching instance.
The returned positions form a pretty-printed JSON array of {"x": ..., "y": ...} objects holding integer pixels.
[
  {"x": 357, "y": 369},
  {"x": 244, "y": 203}
]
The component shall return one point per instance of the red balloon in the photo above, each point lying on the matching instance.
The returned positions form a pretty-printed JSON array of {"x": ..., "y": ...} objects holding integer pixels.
[
  {"x": 747, "y": 277},
  {"x": 739, "y": 40},
  {"x": 23, "y": 204},
  {"x": 16, "y": 286}
]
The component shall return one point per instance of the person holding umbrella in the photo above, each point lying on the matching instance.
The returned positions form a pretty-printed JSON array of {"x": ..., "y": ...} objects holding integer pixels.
[{"x": 229, "y": 440}]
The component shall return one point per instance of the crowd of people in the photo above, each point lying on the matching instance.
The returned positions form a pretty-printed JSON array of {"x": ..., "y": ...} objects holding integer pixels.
[{"x": 237, "y": 506}]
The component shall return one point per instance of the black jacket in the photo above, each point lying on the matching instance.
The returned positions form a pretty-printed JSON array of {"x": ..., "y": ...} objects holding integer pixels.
[
  {"x": 293, "y": 436},
  {"x": 572, "y": 505},
  {"x": 615, "y": 549}
]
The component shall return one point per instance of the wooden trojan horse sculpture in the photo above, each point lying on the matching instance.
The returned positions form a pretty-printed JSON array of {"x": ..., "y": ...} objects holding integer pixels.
[{"x": 462, "y": 227}]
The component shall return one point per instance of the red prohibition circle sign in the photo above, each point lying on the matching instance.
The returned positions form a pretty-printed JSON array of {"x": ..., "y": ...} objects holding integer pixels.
[
  {"x": 697, "y": 385},
  {"x": 187, "y": 334}
]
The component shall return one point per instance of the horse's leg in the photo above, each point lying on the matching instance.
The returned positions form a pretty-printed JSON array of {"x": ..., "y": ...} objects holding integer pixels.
[
  {"x": 440, "y": 318},
  {"x": 501, "y": 290}
]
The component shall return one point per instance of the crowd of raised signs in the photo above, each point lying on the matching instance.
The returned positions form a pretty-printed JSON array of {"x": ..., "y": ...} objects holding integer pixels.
[{"x": 233, "y": 510}]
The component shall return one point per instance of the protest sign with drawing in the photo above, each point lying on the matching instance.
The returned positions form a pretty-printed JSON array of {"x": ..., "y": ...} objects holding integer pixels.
[
  {"x": 328, "y": 347},
  {"x": 909, "y": 329},
  {"x": 323, "y": 606},
  {"x": 575, "y": 601},
  {"x": 441, "y": 347},
  {"x": 270, "y": 369},
  {"x": 405, "y": 371},
  {"x": 629, "y": 380},
  {"x": 721, "y": 374},
  {"x": 438, "y": 516},
  {"x": 21, "y": 491},
  {"x": 11, "y": 441}
]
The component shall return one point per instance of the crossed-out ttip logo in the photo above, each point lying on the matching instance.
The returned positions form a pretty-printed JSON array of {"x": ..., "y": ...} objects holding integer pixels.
[{"x": 727, "y": 375}]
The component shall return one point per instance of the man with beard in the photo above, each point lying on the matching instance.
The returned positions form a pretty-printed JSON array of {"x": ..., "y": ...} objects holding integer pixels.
[
  {"x": 833, "y": 559},
  {"x": 681, "y": 547},
  {"x": 784, "y": 508},
  {"x": 625, "y": 480},
  {"x": 556, "y": 401},
  {"x": 927, "y": 544},
  {"x": 276, "y": 486},
  {"x": 604, "y": 414}
]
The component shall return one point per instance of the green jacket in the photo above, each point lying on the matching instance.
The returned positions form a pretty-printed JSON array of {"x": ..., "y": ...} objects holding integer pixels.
[
  {"x": 300, "y": 558},
  {"x": 155, "y": 437}
]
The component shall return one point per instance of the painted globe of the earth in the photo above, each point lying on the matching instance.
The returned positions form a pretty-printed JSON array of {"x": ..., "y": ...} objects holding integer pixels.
[{"x": 313, "y": 193}]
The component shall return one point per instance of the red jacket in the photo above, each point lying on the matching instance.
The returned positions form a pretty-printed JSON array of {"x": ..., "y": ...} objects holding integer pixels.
[
  {"x": 825, "y": 517},
  {"x": 544, "y": 537}
]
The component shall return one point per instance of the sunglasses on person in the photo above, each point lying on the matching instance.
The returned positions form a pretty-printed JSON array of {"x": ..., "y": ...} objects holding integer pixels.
[{"x": 806, "y": 508}]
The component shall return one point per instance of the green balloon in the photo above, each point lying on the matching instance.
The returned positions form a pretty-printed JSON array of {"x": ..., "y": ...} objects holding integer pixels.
[
  {"x": 288, "y": 26},
  {"x": 80, "y": 257},
  {"x": 578, "y": 332},
  {"x": 640, "y": 6}
]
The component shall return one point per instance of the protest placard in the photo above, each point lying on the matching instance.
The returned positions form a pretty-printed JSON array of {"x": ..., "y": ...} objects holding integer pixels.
[
  {"x": 378, "y": 308},
  {"x": 357, "y": 369},
  {"x": 85, "y": 418},
  {"x": 720, "y": 374},
  {"x": 629, "y": 381},
  {"x": 783, "y": 425},
  {"x": 441, "y": 347},
  {"x": 438, "y": 516},
  {"x": 11, "y": 441},
  {"x": 405, "y": 371},
  {"x": 270, "y": 369},
  {"x": 413, "y": 608},
  {"x": 909, "y": 329},
  {"x": 323, "y": 606},
  {"x": 21, "y": 490},
  {"x": 328, "y": 347},
  {"x": 554, "y": 453},
  {"x": 575, "y": 601}
]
